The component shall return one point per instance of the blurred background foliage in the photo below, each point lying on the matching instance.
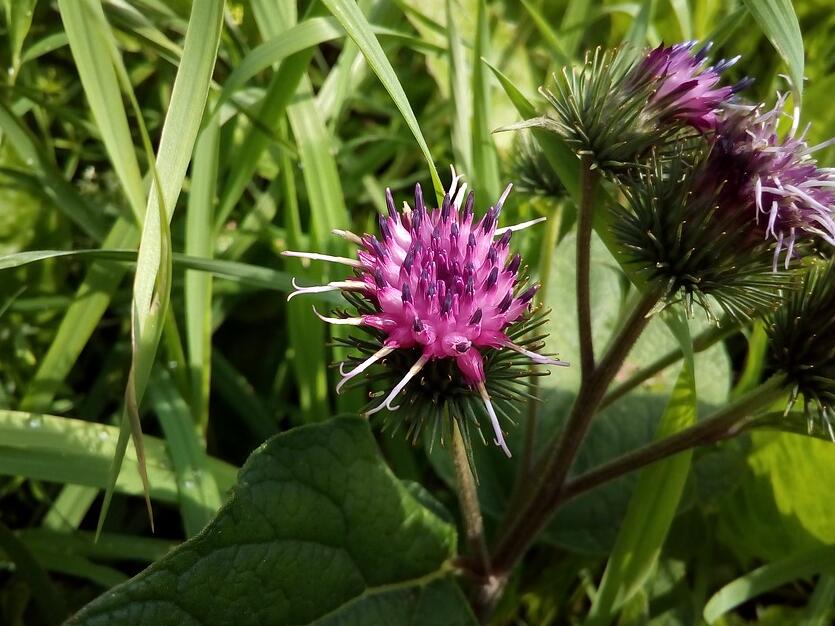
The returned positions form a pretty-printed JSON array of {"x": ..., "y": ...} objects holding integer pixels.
[{"x": 308, "y": 143}]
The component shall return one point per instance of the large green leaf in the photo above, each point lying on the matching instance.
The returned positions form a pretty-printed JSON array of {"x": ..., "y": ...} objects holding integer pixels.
[
  {"x": 318, "y": 531},
  {"x": 782, "y": 505}
]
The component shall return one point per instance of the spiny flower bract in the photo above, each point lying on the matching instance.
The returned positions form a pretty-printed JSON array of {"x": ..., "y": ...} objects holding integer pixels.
[
  {"x": 441, "y": 287},
  {"x": 679, "y": 231},
  {"x": 802, "y": 341}
]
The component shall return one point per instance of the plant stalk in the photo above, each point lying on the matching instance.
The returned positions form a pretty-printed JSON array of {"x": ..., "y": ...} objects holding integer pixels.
[
  {"x": 701, "y": 342},
  {"x": 533, "y": 516},
  {"x": 723, "y": 424},
  {"x": 468, "y": 500},
  {"x": 590, "y": 178}
]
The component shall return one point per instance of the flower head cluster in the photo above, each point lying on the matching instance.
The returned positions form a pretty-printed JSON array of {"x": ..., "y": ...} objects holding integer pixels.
[
  {"x": 617, "y": 109},
  {"x": 686, "y": 91},
  {"x": 440, "y": 282},
  {"x": 774, "y": 178}
]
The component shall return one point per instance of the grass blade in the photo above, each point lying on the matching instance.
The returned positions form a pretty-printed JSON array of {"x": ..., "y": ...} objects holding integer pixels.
[
  {"x": 151, "y": 289},
  {"x": 60, "y": 192},
  {"x": 255, "y": 275},
  {"x": 67, "y": 450},
  {"x": 768, "y": 577},
  {"x": 485, "y": 159},
  {"x": 50, "y": 603},
  {"x": 778, "y": 21},
  {"x": 310, "y": 33},
  {"x": 637, "y": 35},
  {"x": 198, "y": 493},
  {"x": 574, "y": 22},
  {"x": 459, "y": 87},
  {"x": 358, "y": 29},
  {"x": 88, "y": 33},
  {"x": 198, "y": 285},
  {"x": 551, "y": 38},
  {"x": 82, "y": 317},
  {"x": 659, "y": 491}
]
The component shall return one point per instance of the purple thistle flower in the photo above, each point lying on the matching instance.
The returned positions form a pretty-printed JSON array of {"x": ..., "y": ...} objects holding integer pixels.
[
  {"x": 775, "y": 178},
  {"x": 687, "y": 91},
  {"x": 439, "y": 280}
]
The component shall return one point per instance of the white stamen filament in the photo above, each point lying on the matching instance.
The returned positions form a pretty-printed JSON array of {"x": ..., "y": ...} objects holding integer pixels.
[
  {"x": 520, "y": 226},
  {"x": 345, "y": 321},
  {"x": 777, "y": 251},
  {"x": 795, "y": 121},
  {"x": 790, "y": 251},
  {"x": 413, "y": 371},
  {"x": 315, "y": 256},
  {"x": 812, "y": 184},
  {"x": 504, "y": 195},
  {"x": 337, "y": 285},
  {"x": 454, "y": 184},
  {"x": 772, "y": 217},
  {"x": 805, "y": 196},
  {"x": 359, "y": 369},
  {"x": 347, "y": 235},
  {"x": 533, "y": 356},
  {"x": 820, "y": 146},
  {"x": 497, "y": 429},
  {"x": 459, "y": 197}
]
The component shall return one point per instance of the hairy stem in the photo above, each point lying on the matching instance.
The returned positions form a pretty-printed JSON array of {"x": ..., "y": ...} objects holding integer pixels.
[
  {"x": 723, "y": 424},
  {"x": 468, "y": 499},
  {"x": 590, "y": 179},
  {"x": 701, "y": 342}
]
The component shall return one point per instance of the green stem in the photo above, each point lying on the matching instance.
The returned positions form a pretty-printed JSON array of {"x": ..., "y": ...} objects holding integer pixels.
[
  {"x": 723, "y": 424},
  {"x": 590, "y": 177},
  {"x": 531, "y": 518},
  {"x": 468, "y": 499},
  {"x": 701, "y": 342}
]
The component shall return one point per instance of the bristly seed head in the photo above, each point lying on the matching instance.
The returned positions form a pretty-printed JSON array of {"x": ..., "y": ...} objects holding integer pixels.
[{"x": 439, "y": 286}]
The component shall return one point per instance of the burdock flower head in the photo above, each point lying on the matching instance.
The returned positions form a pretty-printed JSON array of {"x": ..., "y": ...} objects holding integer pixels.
[
  {"x": 685, "y": 233},
  {"x": 615, "y": 108},
  {"x": 802, "y": 344},
  {"x": 686, "y": 91},
  {"x": 439, "y": 286},
  {"x": 787, "y": 194}
]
